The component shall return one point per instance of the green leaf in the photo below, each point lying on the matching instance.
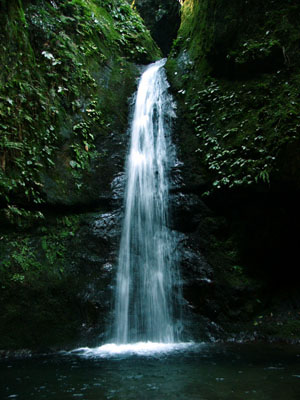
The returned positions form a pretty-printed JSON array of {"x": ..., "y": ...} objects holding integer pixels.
[{"x": 73, "y": 164}]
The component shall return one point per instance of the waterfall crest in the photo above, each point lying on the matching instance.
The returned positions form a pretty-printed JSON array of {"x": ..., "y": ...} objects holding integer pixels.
[{"x": 146, "y": 294}]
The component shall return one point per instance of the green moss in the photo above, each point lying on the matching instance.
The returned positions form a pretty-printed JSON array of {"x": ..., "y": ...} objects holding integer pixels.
[
  {"x": 53, "y": 96},
  {"x": 237, "y": 78},
  {"x": 35, "y": 268},
  {"x": 25, "y": 260},
  {"x": 234, "y": 70},
  {"x": 242, "y": 132},
  {"x": 282, "y": 327}
]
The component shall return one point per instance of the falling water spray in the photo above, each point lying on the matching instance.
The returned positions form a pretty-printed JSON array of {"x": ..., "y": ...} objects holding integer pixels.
[{"x": 147, "y": 290}]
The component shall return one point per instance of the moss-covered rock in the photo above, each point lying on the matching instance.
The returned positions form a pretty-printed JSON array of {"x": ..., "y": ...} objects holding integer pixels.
[
  {"x": 56, "y": 281},
  {"x": 237, "y": 74},
  {"x": 234, "y": 70},
  {"x": 68, "y": 70}
]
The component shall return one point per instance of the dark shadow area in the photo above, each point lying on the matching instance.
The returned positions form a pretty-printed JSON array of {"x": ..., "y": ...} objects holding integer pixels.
[{"x": 162, "y": 19}]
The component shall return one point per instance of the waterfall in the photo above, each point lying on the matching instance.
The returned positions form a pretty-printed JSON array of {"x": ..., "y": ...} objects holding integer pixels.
[
  {"x": 148, "y": 299},
  {"x": 147, "y": 293}
]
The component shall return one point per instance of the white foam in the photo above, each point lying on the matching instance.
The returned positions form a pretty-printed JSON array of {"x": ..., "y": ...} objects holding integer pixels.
[{"x": 141, "y": 348}]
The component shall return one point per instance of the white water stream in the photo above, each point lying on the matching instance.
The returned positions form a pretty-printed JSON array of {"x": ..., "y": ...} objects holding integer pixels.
[
  {"x": 148, "y": 294},
  {"x": 145, "y": 293}
]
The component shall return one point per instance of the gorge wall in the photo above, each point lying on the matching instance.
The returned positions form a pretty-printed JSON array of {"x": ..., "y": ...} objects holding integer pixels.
[
  {"x": 162, "y": 19},
  {"x": 69, "y": 71},
  {"x": 234, "y": 70}
]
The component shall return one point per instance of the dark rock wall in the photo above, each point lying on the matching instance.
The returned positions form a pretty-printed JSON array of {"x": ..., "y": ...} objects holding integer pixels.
[
  {"x": 235, "y": 71},
  {"x": 68, "y": 71},
  {"x": 162, "y": 19}
]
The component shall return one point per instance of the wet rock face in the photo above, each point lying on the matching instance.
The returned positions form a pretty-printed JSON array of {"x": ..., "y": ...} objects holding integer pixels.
[
  {"x": 162, "y": 19},
  {"x": 188, "y": 213},
  {"x": 95, "y": 260},
  {"x": 65, "y": 298}
]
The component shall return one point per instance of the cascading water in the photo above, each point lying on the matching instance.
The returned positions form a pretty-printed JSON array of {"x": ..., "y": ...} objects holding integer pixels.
[{"x": 146, "y": 292}]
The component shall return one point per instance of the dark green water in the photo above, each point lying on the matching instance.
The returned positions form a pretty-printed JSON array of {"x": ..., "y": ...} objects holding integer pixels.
[{"x": 204, "y": 372}]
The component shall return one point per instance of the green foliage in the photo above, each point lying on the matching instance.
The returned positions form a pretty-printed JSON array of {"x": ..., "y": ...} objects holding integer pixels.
[
  {"x": 129, "y": 30},
  {"x": 237, "y": 84},
  {"x": 83, "y": 150},
  {"x": 21, "y": 217},
  {"x": 282, "y": 326},
  {"x": 191, "y": 28},
  {"x": 27, "y": 258},
  {"x": 50, "y": 96},
  {"x": 253, "y": 50},
  {"x": 38, "y": 290},
  {"x": 236, "y": 141}
]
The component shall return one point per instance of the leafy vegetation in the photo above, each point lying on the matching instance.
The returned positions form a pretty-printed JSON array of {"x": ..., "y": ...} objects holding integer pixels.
[
  {"x": 253, "y": 50},
  {"x": 51, "y": 109},
  {"x": 37, "y": 287},
  {"x": 235, "y": 72},
  {"x": 238, "y": 151},
  {"x": 25, "y": 259},
  {"x": 238, "y": 88},
  {"x": 67, "y": 71}
]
